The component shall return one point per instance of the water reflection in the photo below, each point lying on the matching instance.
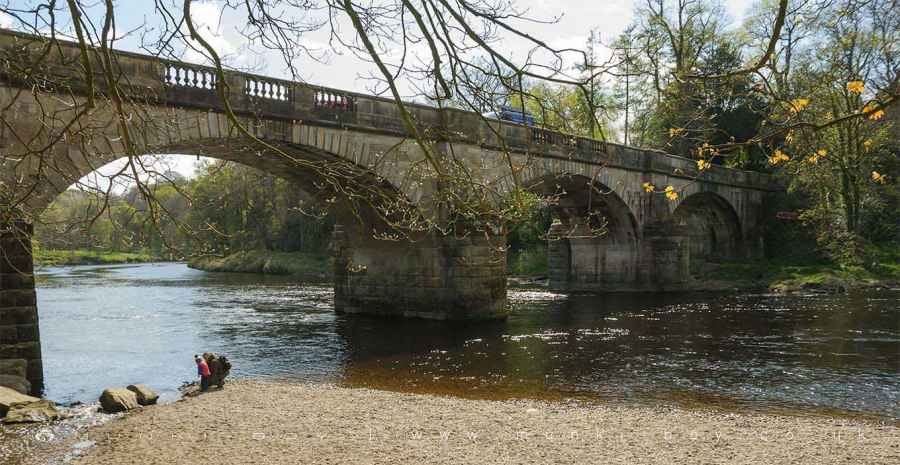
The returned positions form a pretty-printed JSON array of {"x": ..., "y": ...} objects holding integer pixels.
[{"x": 107, "y": 326}]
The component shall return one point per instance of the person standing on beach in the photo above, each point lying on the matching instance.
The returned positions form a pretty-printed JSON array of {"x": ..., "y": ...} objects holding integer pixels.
[{"x": 203, "y": 371}]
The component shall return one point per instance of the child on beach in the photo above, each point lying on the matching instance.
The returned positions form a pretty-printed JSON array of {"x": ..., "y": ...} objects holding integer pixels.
[{"x": 203, "y": 371}]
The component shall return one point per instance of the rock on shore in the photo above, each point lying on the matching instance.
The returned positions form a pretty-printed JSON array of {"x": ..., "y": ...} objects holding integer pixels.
[
  {"x": 116, "y": 400},
  {"x": 306, "y": 423},
  {"x": 8, "y": 397},
  {"x": 16, "y": 407},
  {"x": 144, "y": 395},
  {"x": 33, "y": 412}
]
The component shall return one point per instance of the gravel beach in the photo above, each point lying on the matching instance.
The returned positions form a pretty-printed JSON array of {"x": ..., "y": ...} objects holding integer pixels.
[{"x": 278, "y": 423}]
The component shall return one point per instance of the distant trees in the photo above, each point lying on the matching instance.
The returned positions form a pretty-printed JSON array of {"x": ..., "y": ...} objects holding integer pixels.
[
  {"x": 801, "y": 90},
  {"x": 231, "y": 208},
  {"x": 844, "y": 59}
]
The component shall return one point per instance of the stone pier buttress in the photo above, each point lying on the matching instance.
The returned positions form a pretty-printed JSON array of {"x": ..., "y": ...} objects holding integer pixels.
[{"x": 20, "y": 346}]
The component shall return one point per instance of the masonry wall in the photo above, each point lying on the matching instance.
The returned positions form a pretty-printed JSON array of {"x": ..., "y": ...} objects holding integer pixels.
[
  {"x": 20, "y": 346},
  {"x": 444, "y": 278}
]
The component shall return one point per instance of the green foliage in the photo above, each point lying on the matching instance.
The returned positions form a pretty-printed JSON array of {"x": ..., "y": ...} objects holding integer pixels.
[
  {"x": 45, "y": 257},
  {"x": 528, "y": 262},
  {"x": 830, "y": 59},
  {"x": 266, "y": 262},
  {"x": 568, "y": 110},
  {"x": 794, "y": 274},
  {"x": 226, "y": 208},
  {"x": 789, "y": 240},
  {"x": 529, "y": 232}
]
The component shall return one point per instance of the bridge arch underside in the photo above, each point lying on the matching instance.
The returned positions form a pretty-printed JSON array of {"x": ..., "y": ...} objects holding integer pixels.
[
  {"x": 594, "y": 245},
  {"x": 318, "y": 174},
  {"x": 712, "y": 229}
]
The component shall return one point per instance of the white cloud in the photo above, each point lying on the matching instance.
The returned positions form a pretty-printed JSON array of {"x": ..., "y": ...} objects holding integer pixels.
[
  {"x": 6, "y": 21},
  {"x": 207, "y": 20},
  {"x": 111, "y": 173}
]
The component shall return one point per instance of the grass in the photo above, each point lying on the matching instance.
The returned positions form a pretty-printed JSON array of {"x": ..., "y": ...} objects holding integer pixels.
[
  {"x": 266, "y": 262},
  {"x": 788, "y": 275},
  {"x": 45, "y": 257}
]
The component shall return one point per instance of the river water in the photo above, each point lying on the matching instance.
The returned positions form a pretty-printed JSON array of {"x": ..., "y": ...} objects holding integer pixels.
[{"x": 115, "y": 325}]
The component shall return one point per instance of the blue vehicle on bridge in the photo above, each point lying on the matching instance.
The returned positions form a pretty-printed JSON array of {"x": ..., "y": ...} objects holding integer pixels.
[{"x": 513, "y": 115}]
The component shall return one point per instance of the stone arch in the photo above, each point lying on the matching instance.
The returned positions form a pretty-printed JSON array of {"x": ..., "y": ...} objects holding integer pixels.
[
  {"x": 38, "y": 170},
  {"x": 54, "y": 180},
  {"x": 579, "y": 257},
  {"x": 712, "y": 227}
]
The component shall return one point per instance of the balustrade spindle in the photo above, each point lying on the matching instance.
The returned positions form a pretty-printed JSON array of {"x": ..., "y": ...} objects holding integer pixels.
[{"x": 331, "y": 100}]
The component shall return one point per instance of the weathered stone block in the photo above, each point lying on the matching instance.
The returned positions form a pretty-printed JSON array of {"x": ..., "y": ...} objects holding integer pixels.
[
  {"x": 14, "y": 246},
  {"x": 25, "y": 350},
  {"x": 35, "y": 373},
  {"x": 9, "y": 334},
  {"x": 18, "y": 315},
  {"x": 28, "y": 332},
  {"x": 16, "y": 383},
  {"x": 17, "y": 281},
  {"x": 16, "y": 264},
  {"x": 15, "y": 367}
]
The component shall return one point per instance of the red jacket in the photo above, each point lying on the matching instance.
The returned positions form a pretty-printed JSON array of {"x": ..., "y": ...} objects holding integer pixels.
[{"x": 203, "y": 369}]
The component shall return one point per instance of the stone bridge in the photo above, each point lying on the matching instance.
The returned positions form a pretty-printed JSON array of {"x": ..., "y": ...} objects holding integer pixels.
[{"x": 650, "y": 243}]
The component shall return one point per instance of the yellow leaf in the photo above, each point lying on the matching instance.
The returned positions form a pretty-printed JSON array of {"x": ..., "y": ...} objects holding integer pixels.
[
  {"x": 777, "y": 157},
  {"x": 876, "y": 115},
  {"x": 867, "y": 144},
  {"x": 814, "y": 158},
  {"x": 703, "y": 164},
  {"x": 789, "y": 137},
  {"x": 671, "y": 194},
  {"x": 856, "y": 87},
  {"x": 675, "y": 131},
  {"x": 798, "y": 104},
  {"x": 878, "y": 177},
  {"x": 648, "y": 187}
]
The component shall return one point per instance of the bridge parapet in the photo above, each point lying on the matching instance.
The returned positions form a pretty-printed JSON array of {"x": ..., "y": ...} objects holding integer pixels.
[{"x": 181, "y": 84}]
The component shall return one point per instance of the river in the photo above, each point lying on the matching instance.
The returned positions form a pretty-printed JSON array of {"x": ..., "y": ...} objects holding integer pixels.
[{"x": 105, "y": 326}]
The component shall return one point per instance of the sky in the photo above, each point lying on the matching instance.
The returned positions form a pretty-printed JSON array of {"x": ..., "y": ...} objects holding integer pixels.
[{"x": 576, "y": 19}]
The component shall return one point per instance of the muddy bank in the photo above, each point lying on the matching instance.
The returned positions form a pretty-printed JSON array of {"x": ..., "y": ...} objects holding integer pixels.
[{"x": 306, "y": 423}]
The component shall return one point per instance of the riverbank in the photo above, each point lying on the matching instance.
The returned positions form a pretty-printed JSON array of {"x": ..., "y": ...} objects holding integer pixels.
[
  {"x": 298, "y": 264},
  {"x": 529, "y": 267},
  {"x": 785, "y": 276},
  {"x": 45, "y": 258},
  {"x": 313, "y": 423}
]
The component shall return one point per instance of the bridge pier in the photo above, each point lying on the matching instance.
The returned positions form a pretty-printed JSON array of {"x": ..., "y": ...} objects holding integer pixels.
[
  {"x": 20, "y": 342},
  {"x": 659, "y": 261},
  {"x": 444, "y": 278},
  {"x": 664, "y": 257},
  {"x": 559, "y": 257}
]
